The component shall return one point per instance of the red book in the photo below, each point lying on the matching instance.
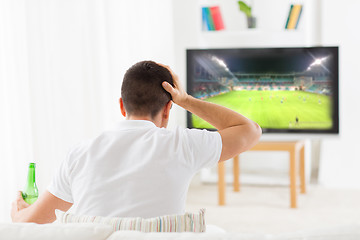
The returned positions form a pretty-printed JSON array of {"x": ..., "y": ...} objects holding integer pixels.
[{"x": 217, "y": 18}]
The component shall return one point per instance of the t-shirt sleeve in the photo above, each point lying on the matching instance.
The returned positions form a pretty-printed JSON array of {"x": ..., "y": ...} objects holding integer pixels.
[
  {"x": 60, "y": 185},
  {"x": 204, "y": 148}
]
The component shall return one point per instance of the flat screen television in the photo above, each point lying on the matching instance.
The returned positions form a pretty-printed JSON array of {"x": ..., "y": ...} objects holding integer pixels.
[{"x": 284, "y": 90}]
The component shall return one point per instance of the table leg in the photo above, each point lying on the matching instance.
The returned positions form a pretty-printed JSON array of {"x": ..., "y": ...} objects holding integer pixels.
[
  {"x": 292, "y": 178},
  {"x": 236, "y": 174},
  {"x": 221, "y": 183},
  {"x": 302, "y": 171}
]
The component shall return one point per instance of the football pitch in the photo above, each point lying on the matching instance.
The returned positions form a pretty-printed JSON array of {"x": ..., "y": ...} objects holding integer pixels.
[{"x": 276, "y": 109}]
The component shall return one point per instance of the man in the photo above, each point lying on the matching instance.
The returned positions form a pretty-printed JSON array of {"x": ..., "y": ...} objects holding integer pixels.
[{"x": 139, "y": 168}]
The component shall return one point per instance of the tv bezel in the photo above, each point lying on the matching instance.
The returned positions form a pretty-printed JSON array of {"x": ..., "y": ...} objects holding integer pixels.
[{"x": 335, "y": 107}]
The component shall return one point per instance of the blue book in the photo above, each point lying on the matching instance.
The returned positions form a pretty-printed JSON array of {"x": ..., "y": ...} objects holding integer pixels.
[
  {"x": 208, "y": 18},
  {"x": 205, "y": 25}
]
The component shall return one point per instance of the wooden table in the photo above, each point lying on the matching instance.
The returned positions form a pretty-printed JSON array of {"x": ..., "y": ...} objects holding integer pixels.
[{"x": 296, "y": 152}]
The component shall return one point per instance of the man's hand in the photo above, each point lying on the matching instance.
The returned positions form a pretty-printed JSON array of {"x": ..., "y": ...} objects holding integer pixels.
[
  {"x": 41, "y": 211},
  {"x": 18, "y": 205},
  {"x": 178, "y": 94}
]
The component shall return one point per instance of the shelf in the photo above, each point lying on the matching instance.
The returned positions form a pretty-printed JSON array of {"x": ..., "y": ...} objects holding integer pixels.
[
  {"x": 270, "y": 30},
  {"x": 253, "y": 38},
  {"x": 252, "y": 31}
]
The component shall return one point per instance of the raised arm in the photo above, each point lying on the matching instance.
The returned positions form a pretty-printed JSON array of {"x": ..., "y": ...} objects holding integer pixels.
[
  {"x": 238, "y": 133},
  {"x": 42, "y": 211}
]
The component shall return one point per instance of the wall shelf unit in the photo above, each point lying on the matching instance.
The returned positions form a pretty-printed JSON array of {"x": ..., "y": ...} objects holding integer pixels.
[{"x": 270, "y": 32}]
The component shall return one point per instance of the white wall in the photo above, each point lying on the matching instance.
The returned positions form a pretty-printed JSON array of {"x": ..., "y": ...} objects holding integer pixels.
[{"x": 340, "y": 158}]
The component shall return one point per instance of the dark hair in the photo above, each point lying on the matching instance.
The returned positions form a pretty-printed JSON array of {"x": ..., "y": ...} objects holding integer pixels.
[{"x": 141, "y": 90}]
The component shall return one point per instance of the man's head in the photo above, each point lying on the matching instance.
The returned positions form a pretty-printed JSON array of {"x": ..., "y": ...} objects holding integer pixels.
[{"x": 142, "y": 93}]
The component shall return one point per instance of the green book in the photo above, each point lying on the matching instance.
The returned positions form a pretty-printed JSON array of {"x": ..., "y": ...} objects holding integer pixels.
[
  {"x": 209, "y": 19},
  {"x": 287, "y": 21}
]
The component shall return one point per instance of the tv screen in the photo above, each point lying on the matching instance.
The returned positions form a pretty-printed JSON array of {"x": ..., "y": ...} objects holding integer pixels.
[{"x": 284, "y": 90}]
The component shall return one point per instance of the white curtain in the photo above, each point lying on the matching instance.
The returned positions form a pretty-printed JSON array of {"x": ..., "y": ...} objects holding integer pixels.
[{"x": 61, "y": 66}]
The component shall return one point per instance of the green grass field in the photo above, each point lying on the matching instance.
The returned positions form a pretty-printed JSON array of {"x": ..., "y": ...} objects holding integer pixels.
[{"x": 265, "y": 107}]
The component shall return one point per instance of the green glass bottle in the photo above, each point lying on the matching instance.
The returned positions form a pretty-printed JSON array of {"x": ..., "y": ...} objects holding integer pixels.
[{"x": 30, "y": 193}]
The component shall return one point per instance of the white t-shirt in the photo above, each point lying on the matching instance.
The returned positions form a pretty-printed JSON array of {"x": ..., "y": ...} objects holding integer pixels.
[{"x": 135, "y": 170}]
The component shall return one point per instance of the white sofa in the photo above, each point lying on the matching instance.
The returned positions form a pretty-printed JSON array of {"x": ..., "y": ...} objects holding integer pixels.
[{"x": 90, "y": 231}]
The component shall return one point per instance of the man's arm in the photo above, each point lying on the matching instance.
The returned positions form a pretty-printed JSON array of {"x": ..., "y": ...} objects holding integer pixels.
[
  {"x": 238, "y": 133},
  {"x": 42, "y": 211}
]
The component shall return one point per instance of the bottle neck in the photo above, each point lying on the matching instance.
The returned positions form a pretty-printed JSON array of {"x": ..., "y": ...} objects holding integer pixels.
[{"x": 31, "y": 174}]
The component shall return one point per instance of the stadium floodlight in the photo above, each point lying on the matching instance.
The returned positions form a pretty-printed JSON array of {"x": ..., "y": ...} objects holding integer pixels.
[
  {"x": 220, "y": 62},
  {"x": 318, "y": 61}
]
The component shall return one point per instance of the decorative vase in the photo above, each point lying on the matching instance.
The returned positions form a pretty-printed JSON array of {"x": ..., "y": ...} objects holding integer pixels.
[{"x": 251, "y": 21}]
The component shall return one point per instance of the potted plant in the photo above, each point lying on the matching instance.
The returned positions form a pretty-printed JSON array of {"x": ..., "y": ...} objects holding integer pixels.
[{"x": 251, "y": 20}]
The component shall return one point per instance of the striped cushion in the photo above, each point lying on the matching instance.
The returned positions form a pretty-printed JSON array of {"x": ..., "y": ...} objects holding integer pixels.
[{"x": 189, "y": 222}]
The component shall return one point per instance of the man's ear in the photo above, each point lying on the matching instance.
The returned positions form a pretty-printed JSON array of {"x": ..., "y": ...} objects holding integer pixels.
[
  {"x": 167, "y": 108},
  {"x": 122, "y": 108}
]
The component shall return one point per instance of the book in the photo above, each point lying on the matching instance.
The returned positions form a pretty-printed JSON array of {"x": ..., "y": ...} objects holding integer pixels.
[
  {"x": 287, "y": 21},
  {"x": 217, "y": 18},
  {"x": 212, "y": 19},
  {"x": 208, "y": 19},
  {"x": 204, "y": 23},
  {"x": 294, "y": 16},
  {"x": 298, "y": 19}
]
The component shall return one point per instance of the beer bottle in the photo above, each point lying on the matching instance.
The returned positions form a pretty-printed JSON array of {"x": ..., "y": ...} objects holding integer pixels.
[{"x": 30, "y": 193}]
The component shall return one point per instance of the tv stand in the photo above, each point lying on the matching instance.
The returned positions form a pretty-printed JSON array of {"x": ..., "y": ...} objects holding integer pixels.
[{"x": 296, "y": 153}]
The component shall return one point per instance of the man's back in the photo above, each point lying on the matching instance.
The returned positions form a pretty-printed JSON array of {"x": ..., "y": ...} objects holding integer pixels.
[{"x": 135, "y": 170}]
